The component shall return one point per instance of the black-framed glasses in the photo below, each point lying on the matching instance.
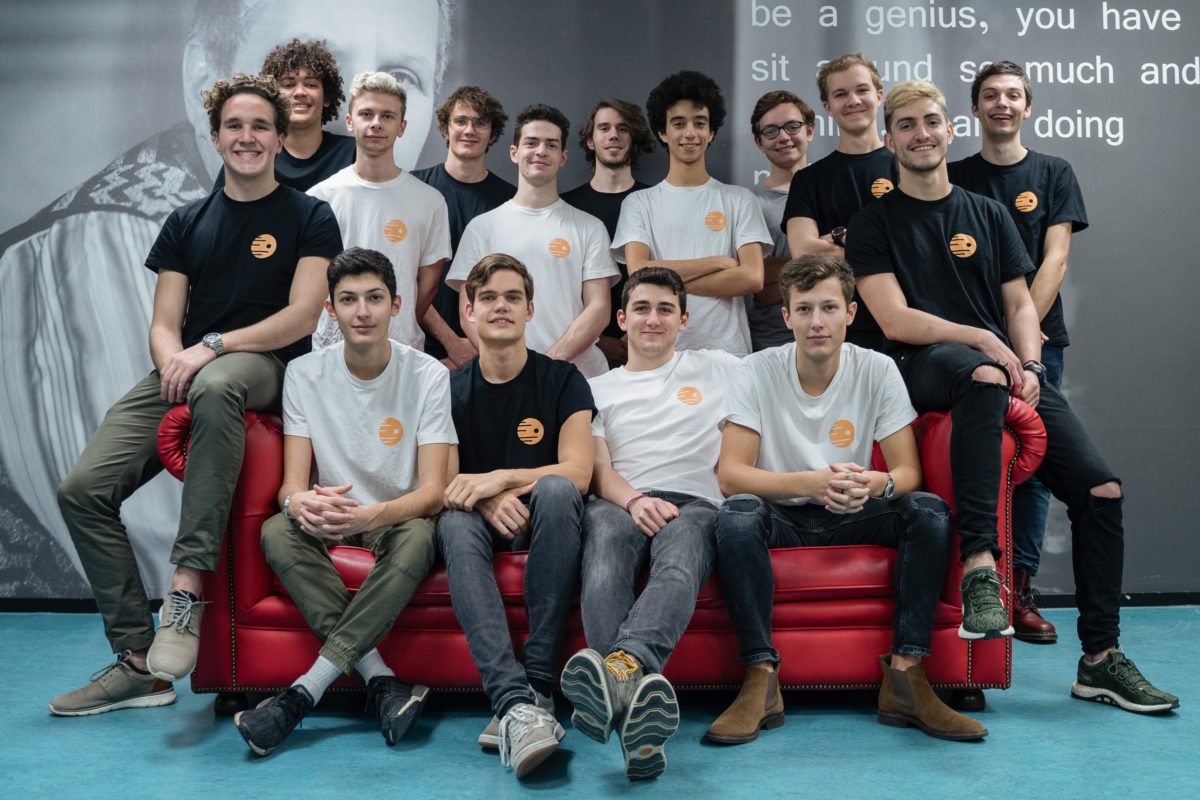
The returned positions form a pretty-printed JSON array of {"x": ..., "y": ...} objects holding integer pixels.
[{"x": 772, "y": 131}]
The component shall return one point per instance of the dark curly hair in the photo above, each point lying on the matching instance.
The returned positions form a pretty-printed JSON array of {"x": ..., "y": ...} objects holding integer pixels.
[
  {"x": 687, "y": 85},
  {"x": 541, "y": 113},
  {"x": 263, "y": 86},
  {"x": 643, "y": 139},
  {"x": 315, "y": 58},
  {"x": 478, "y": 100}
]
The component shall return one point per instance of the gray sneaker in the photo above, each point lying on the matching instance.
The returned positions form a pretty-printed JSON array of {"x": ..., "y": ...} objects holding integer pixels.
[
  {"x": 600, "y": 689},
  {"x": 116, "y": 686},
  {"x": 1116, "y": 681},
  {"x": 172, "y": 656},
  {"x": 490, "y": 738},
  {"x": 528, "y": 735},
  {"x": 652, "y": 719},
  {"x": 984, "y": 614}
]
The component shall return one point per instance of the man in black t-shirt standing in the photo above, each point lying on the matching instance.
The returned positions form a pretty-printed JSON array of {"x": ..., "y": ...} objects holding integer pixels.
[
  {"x": 240, "y": 285},
  {"x": 1043, "y": 198},
  {"x": 944, "y": 271},
  {"x": 516, "y": 482},
  {"x": 613, "y": 138}
]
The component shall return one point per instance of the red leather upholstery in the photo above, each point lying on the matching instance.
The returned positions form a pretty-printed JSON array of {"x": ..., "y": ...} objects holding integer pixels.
[{"x": 832, "y": 614}]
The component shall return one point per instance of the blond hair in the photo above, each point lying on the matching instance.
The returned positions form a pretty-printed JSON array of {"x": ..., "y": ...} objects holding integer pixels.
[
  {"x": 907, "y": 92},
  {"x": 842, "y": 63},
  {"x": 378, "y": 83}
]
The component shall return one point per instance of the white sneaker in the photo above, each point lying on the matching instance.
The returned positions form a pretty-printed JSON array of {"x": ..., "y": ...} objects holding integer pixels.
[
  {"x": 490, "y": 738},
  {"x": 528, "y": 735}
]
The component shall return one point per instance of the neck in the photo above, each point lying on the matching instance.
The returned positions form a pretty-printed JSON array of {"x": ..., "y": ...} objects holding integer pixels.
[
  {"x": 376, "y": 168},
  {"x": 472, "y": 171},
  {"x": 245, "y": 189},
  {"x": 781, "y": 177},
  {"x": 681, "y": 174},
  {"x": 368, "y": 362},
  {"x": 931, "y": 185},
  {"x": 612, "y": 180},
  {"x": 856, "y": 144},
  {"x": 815, "y": 376},
  {"x": 532, "y": 196},
  {"x": 500, "y": 362},
  {"x": 303, "y": 142},
  {"x": 1003, "y": 152},
  {"x": 644, "y": 363}
]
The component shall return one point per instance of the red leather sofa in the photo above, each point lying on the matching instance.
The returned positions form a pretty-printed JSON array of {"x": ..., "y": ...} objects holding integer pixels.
[{"x": 832, "y": 615}]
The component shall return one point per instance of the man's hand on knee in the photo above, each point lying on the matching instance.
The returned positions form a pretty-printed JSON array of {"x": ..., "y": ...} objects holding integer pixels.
[{"x": 178, "y": 371}]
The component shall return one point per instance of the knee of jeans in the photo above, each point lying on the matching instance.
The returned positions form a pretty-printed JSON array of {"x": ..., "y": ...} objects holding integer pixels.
[
  {"x": 1109, "y": 490},
  {"x": 927, "y": 515},
  {"x": 741, "y": 516},
  {"x": 555, "y": 490},
  {"x": 989, "y": 373},
  {"x": 454, "y": 533}
]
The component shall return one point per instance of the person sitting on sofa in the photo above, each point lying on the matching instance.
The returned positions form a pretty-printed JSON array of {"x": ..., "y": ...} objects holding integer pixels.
[{"x": 795, "y": 465}]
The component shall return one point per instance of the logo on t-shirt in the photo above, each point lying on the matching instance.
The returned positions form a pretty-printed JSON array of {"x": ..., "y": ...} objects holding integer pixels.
[
  {"x": 689, "y": 396},
  {"x": 1026, "y": 201},
  {"x": 391, "y": 431},
  {"x": 559, "y": 248},
  {"x": 841, "y": 433},
  {"x": 395, "y": 230},
  {"x": 263, "y": 246},
  {"x": 962, "y": 245},
  {"x": 530, "y": 431},
  {"x": 714, "y": 221},
  {"x": 881, "y": 186}
]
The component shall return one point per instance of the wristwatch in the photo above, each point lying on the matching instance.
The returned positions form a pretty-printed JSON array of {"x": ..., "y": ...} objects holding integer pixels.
[
  {"x": 213, "y": 342},
  {"x": 838, "y": 235},
  {"x": 287, "y": 507},
  {"x": 889, "y": 488},
  {"x": 1037, "y": 368}
]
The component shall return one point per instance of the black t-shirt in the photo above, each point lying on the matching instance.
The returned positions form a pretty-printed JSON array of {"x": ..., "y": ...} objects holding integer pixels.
[
  {"x": 515, "y": 425},
  {"x": 1039, "y": 191},
  {"x": 464, "y": 202},
  {"x": 607, "y": 208},
  {"x": 830, "y": 192},
  {"x": 950, "y": 256},
  {"x": 240, "y": 257},
  {"x": 334, "y": 154}
]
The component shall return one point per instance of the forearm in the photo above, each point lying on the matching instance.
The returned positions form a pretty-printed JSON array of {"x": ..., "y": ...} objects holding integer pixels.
[
  {"x": 732, "y": 282},
  {"x": 907, "y": 479},
  {"x": 1046, "y": 285},
  {"x": 164, "y": 343},
  {"x": 424, "y": 501},
  {"x": 912, "y": 326},
  {"x": 746, "y": 479},
  {"x": 433, "y": 324},
  {"x": 689, "y": 269},
  {"x": 609, "y": 485},
  {"x": 578, "y": 474},
  {"x": 281, "y": 329},
  {"x": 804, "y": 239},
  {"x": 1025, "y": 333},
  {"x": 581, "y": 333}
]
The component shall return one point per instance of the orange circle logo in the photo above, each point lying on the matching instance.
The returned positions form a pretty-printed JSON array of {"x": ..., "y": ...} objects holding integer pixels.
[
  {"x": 881, "y": 186},
  {"x": 559, "y": 248},
  {"x": 962, "y": 245},
  {"x": 689, "y": 396},
  {"x": 714, "y": 221},
  {"x": 841, "y": 434},
  {"x": 395, "y": 230},
  {"x": 1026, "y": 201},
  {"x": 391, "y": 431},
  {"x": 530, "y": 431},
  {"x": 263, "y": 246}
]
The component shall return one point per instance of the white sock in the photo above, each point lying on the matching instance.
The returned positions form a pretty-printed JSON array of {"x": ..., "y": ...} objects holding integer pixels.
[
  {"x": 320, "y": 676},
  {"x": 371, "y": 666}
]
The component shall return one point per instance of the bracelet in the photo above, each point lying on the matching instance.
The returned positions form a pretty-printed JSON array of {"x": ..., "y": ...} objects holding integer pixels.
[{"x": 632, "y": 500}]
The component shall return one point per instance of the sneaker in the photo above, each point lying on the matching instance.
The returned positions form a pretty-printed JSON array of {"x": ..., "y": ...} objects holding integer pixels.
[
  {"x": 395, "y": 704},
  {"x": 599, "y": 689},
  {"x": 173, "y": 653},
  {"x": 1116, "y": 681},
  {"x": 528, "y": 735},
  {"x": 984, "y": 615},
  {"x": 490, "y": 738},
  {"x": 652, "y": 719},
  {"x": 266, "y": 725},
  {"x": 116, "y": 686}
]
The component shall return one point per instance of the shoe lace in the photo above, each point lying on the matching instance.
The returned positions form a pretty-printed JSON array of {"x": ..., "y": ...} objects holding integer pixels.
[
  {"x": 181, "y": 609},
  {"x": 622, "y": 665},
  {"x": 122, "y": 658},
  {"x": 982, "y": 595},
  {"x": 1126, "y": 672},
  {"x": 514, "y": 727},
  {"x": 1031, "y": 597}
]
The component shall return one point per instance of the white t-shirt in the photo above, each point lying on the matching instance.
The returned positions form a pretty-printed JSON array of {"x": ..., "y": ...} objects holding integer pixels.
[
  {"x": 661, "y": 425},
  {"x": 865, "y": 402},
  {"x": 561, "y": 247},
  {"x": 402, "y": 218},
  {"x": 366, "y": 433},
  {"x": 682, "y": 222}
]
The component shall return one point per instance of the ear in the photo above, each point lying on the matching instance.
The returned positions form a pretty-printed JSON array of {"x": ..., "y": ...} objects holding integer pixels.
[
  {"x": 811, "y": 130},
  {"x": 329, "y": 308},
  {"x": 403, "y": 127},
  {"x": 395, "y": 304},
  {"x": 512, "y": 153},
  {"x": 851, "y": 310},
  {"x": 621, "y": 320},
  {"x": 888, "y": 143},
  {"x": 1028, "y": 111},
  {"x": 683, "y": 319},
  {"x": 974, "y": 111},
  {"x": 661, "y": 136},
  {"x": 349, "y": 123}
]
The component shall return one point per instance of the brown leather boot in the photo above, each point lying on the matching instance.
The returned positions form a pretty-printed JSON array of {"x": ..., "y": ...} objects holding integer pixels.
[
  {"x": 1030, "y": 625},
  {"x": 906, "y": 698},
  {"x": 758, "y": 705}
]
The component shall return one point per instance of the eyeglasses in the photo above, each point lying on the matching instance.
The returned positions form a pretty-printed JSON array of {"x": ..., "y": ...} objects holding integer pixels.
[
  {"x": 478, "y": 123},
  {"x": 772, "y": 131}
]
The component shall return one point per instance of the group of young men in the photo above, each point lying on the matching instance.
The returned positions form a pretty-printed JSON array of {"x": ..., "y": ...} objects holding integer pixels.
[{"x": 753, "y": 375}]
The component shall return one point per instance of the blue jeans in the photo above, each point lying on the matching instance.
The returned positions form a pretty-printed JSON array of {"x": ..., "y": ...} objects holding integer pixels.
[
  {"x": 615, "y": 550},
  {"x": 918, "y": 525},
  {"x": 467, "y": 543},
  {"x": 1031, "y": 499}
]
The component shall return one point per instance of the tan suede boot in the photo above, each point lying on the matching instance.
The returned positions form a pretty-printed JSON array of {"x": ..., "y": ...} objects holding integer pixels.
[
  {"x": 906, "y": 698},
  {"x": 758, "y": 705}
]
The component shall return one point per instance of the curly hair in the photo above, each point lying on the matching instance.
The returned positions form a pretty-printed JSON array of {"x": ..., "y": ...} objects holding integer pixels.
[
  {"x": 842, "y": 63},
  {"x": 539, "y": 112},
  {"x": 315, "y": 58},
  {"x": 643, "y": 139},
  {"x": 686, "y": 85},
  {"x": 263, "y": 86},
  {"x": 478, "y": 100},
  {"x": 779, "y": 97}
]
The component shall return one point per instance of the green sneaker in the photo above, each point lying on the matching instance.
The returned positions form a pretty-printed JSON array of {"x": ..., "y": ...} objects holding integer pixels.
[
  {"x": 1117, "y": 681},
  {"x": 116, "y": 686},
  {"x": 984, "y": 614}
]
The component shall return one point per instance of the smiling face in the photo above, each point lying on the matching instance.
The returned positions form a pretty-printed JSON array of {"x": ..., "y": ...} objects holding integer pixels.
[
  {"x": 467, "y": 133},
  {"x": 1002, "y": 106},
  {"x": 363, "y": 307},
  {"x": 689, "y": 132},
  {"x": 501, "y": 309},
  {"x": 307, "y": 94},
  {"x": 539, "y": 152},
  {"x": 377, "y": 120},
  {"x": 611, "y": 139},
  {"x": 246, "y": 139},
  {"x": 818, "y": 319},
  {"x": 786, "y": 150},
  {"x": 919, "y": 135},
  {"x": 853, "y": 99},
  {"x": 652, "y": 320}
]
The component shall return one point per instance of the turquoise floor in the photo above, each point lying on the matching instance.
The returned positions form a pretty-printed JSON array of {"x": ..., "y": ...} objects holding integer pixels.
[{"x": 1043, "y": 744}]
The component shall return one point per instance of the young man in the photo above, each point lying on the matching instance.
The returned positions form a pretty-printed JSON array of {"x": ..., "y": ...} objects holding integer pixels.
[
  {"x": 656, "y": 500},
  {"x": 566, "y": 251},
  {"x": 795, "y": 463},
  {"x": 613, "y": 138},
  {"x": 824, "y": 197},
  {"x": 1043, "y": 199},
  {"x": 374, "y": 415},
  {"x": 710, "y": 233},
  {"x": 470, "y": 121},
  {"x": 517, "y": 479},
  {"x": 782, "y": 125},
  {"x": 379, "y": 206},
  {"x": 238, "y": 293},
  {"x": 944, "y": 270}
]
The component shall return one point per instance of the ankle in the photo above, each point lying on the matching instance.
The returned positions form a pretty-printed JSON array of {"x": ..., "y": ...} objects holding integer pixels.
[
  {"x": 1093, "y": 659},
  {"x": 764, "y": 666},
  {"x": 902, "y": 663},
  {"x": 977, "y": 560},
  {"x": 187, "y": 579},
  {"x": 137, "y": 659}
]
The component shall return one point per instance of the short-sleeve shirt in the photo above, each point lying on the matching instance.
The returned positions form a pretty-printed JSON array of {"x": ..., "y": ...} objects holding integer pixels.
[
  {"x": 684, "y": 222},
  {"x": 366, "y": 433},
  {"x": 866, "y": 402},
  {"x": 515, "y": 425},
  {"x": 767, "y": 328},
  {"x": 240, "y": 257},
  {"x": 333, "y": 154},
  {"x": 1039, "y": 192},
  {"x": 950, "y": 256}
]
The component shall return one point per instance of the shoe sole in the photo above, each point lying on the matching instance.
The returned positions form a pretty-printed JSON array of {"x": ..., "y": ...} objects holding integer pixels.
[
  {"x": 164, "y": 698},
  {"x": 975, "y": 636},
  {"x": 529, "y": 759},
  {"x": 652, "y": 719},
  {"x": 768, "y": 723},
  {"x": 489, "y": 741},
  {"x": 1109, "y": 697},
  {"x": 1036, "y": 638},
  {"x": 259, "y": 751},
  {"x": 398, "y": 724},
  {"x": 904, "y": 721},
  {"x": 584, "y": 684}
]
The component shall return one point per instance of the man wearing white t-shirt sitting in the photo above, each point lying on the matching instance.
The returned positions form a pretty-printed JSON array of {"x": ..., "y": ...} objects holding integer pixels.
[
  {"x": 795, "y": 458},
  {"x": 656, "y": 500},
  {"x": 381, "y": 207},
  {"x": 566, "y": 251},
  {"x": 711, "y": 233}
]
